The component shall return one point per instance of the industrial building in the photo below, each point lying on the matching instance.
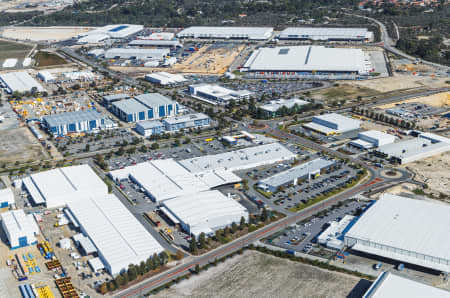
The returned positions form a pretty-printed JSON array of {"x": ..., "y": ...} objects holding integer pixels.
[
  {"x": 120, "y": 239},
  {"x": 118, "y": 31},
  {"x": 148, "y": 106},
  {"x": 205, "y": 212},
  {"x": 158, "y": 36},
  {"x": 332, "y": 123},
  {"x": 76, "y": 122},
  {"x": 10, "y": 63},
  {"x": 405, "y": 230},
  {"x": 197, "y": 120},
  {"x": 389, "y": 285},
  {"x": 6, "y": 197},
  {"x": 326, "y": 34},
  {"x": 109, "y": 99},
  {"x": 165, "y": 79},
  {"x": 139, "y": 54},
  {"x": 19, "y": 81},
  {"x": 425, "y": 145},
  {"x": 246, "y": 33},
  {"x": 244, "y": 135},
  {"x": 46, "y": 76},
  {"x": 150, "y": 128},
  {"x": 79, "y": 76},
  {"x": 333, "y": 236},
  {"x": 55, "y": 188},
  {"x": 19, "y": 228},
  {"x": 372, "y": 139},
  {"x": 215, "y": 94},
  {"x": 155, "y": 43},
  {"x": 271, "y": 108},
  {"x": 308, "y": 61},
  {"x": 306, "y": 170}
]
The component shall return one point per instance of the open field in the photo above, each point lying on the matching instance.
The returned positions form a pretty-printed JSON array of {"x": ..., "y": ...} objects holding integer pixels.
[
  {"x": 19, "y": 145},
  {"x": 255, "y": 274},
  {"x": 44, "y": 33},
  {"x": 9, "y": 49},
  {"x": 48, "y": 59},
  {"x": 343, "y": 91},
  {"x": 435, "y": 100}
]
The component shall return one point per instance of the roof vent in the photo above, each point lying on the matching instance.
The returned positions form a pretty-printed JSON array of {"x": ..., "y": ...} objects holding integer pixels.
[{"x": 283, "y": 51}]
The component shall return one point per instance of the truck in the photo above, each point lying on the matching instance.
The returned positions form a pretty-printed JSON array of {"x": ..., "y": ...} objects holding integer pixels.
[{"x": 290, "y": 251}]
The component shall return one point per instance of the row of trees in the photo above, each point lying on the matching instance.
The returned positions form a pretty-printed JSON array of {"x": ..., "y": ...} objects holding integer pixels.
[{"x": 384, "y": 118}]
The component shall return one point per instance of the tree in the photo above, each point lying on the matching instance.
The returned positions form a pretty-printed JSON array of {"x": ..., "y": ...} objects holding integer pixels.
[
  {"x": 155, "y": 146},
  {"x": 233, "y": 227},
  {"x": 118, "y": 281},
  {"x": 143, "y": 149},
  {"x": 187, "y": 140},
  {"x": 132, "y": 272},
  {"x": 264, "y": 215},
  {"x": 163, "y": 257},
  {"x": 242, "y": 223},
  {"x": 202, "y": 240},
  {"x": 193, "y": 244},
  {"x": 87, "y": 148},
  {"x": 177, "y": 143},
  {"x": 149, "y": 264},
  {"x": 179, "y": 255},
  {"x": 111, "y": 285},
  {"x": 156, "y": 262},
  {"x": 142, "y": 268},
  {"x": 103, "y": 288},
  {"x": 197, "y": 269},
  {"x": 125, "y": 278}
]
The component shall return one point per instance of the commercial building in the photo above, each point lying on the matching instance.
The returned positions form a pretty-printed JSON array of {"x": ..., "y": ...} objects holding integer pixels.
[
  {"x": 54, "y": 188},
  {"x": 149, "y": 106},
  {"x": 76, "y": 122},
  {"x": 205, "y": 212},
  {"x": 150, "y": 128},
  {"x": 19, "y": 228},
  {"x": 96, "y": 53},
  {"x": 306, "y": 170},
  {"x": 197, "y": 120},
  {"x": 155, "y": 43},
  {"x": 46, "y": 76},
  {"x": 333, "y": 236},
  {"x": 307, "y": 61},
  {"x": 215, "y": 94},
  {"x": 326, "y": 34},
  {"x": 398, "y": 228},
  {"x": 246, "y": 33},
  {"x": 244, "y": 135},
  {"x": 425, "y": 145},
  {"x": 271, "y": 109},
  {"x": 389, "y": 285},
  {"x": 165, "y": 78},
  {"x": 372, "y": 139},
  {"x": 139, "y": 54},
  {"x": 332, "y": 123},
  {"x": 120, "y": 239},
  {"x": 118, "y": 31},
  {"x": 6, "y": 197},
  {"x": 158, "y": 36},
  {"x": 19, "y": 81}
]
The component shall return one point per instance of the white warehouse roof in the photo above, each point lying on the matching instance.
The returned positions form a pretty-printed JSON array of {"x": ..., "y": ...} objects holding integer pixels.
[
  {"x": 119, "y": 237},
  {"x": 323, "y": 33},
  {"x": 9, "y": 63},
  {"x": 276, "y": 104},
  {"x": 17, "y": 224},
  {"x": 206, "y": 212},
  {"x": 6, "y": 195},
  {"x": 110, "y": 31},
  {"x": 256, "y": 33},
  {"x": 389, "y": 285},
  {"x": 165, "y": 78},
  {"x": 408, "y": 230},
  {"x": 307, "y": 58},
  {"x": 20, "y": 81},
  {"x": 143, "y": 54}
]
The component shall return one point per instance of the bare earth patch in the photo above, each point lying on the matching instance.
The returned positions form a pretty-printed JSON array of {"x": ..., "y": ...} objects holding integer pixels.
[
  {"x": 255, "y": 274},
  {"x": 44, "y": 33},
  {"x": 19, "y": 145}
]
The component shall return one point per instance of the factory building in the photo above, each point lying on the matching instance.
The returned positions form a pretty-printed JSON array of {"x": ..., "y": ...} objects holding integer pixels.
[
  {"x": 119, "y": 31},
  {"x": 270, "y": 109},
  {"x": 215, "y": 94},
  {"x": 308, "y": 170},
  {"x": 165, "y": 79},
  {"x": 158, "y": 36},
  {"x": 76, "y": 122},
  {"x": 326, "y": 34},
  {"x": 150, "y": 128},
  {"x": 149, "y": 106},
  {"x": 109, "y": 99},
  {"x": 155, "y": 43},
  {"x": 46, "y": 76},
  {"x": 372, "y": 139},
  {"x": 205, "y": 212},
  {"x": 390, "y": 285},
  {"x": 197, "y": 120},
  {"x": 332, "y": 123},
  {"x": 6, "y": 197},
  {"x": 333, "y": 236},
  {"x": 20, "y": 229},
  {"x": 307, "y": 62},
  {"x": 398, "y": 228},
  {"x": 425, "y": 145},
  {"x": 19, "y": 81},
  {"x": 246, "y": 33},
  {"x": 139, "y": 54}
]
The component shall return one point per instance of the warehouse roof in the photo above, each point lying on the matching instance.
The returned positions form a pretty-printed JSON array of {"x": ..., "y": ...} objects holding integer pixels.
[
  {"x": 306, "y": 58},
  {"x": 154, "y": 99},
  {"x": 338, "y": 119},
  {"x": 239, "y": 159},
  {"x": 389, "y": 285},
  {"x": 299, "y": 171},
  {"x": 130, "y": 106},
  {"x": 11, "y": 62},
  {"x": 412, "y": 225},
  {"x": 227, "y": 32},
  {"x": 166, "y": 78},
  {"x": 184, "y": 118},
  {"x": 148, "y": 53},
  {"x": 7, "y": 195},
  {"x": 117, "y": 234},
  {"x": 72, "y": 117},
  {"x": 413, "y": 147},
  {"x": 153, "y": 42},
  {"x": 149, "y": 124},
  {"x": 18, "y": 223},
  {"x": 20, "y": 81},
  {"x": 318, "y": 127},
  {"x": 117, "y": 96},
  {"x": 311, "y": 32},
  {"x": 375, "y": 134},
  {"x": 205, "y": 210},
  {"x": 276, "y": 104}
]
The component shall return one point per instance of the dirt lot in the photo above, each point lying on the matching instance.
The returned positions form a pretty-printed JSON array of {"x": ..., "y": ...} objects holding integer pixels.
[
  {"x": 48, "y": 59},
  {"x": 44, "y": 33},
  {"x": 435, "y": 100},
  {"x": 10, "y": 49},
  {"x": 345, "y": 91},
  {"x": 254, "y": 274},
  {"x": 19, "y": 145}
]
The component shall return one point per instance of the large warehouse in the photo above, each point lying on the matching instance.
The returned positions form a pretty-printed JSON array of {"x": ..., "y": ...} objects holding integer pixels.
[
  {"x": 119, "y": 237},
  {"x": 332, "y": 123},
  {"x": 205, "y": 212},
  {"x": 156, "y": 43},
  {"x": 301, "y": 61},
  {"x": 215, "y": 94},
  {"x": 6, "y": 197},
  {"x": 271, "y": 108},
  {"x": 203, "y": 32},
  {"x": 389, "y": 285},
  {"x": 75, "y": 122},
  {"x": 19, "y": 228},
  {"x": 372, "y": 139},
  {"x": 56, "y": 187},
  {"x": 326, "y": 34},
  {"x": 19, "y": 81},
  {"x": 140, "y": 54},
  {"x": 406, "y": 230},
  {"x": 148, "y": 106},
  {"x": 165, "y": 79},
  {"x": 118, "y": 31},
  {"x": 425, "y": 145},
  {"x": 303, "y": 171}
]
